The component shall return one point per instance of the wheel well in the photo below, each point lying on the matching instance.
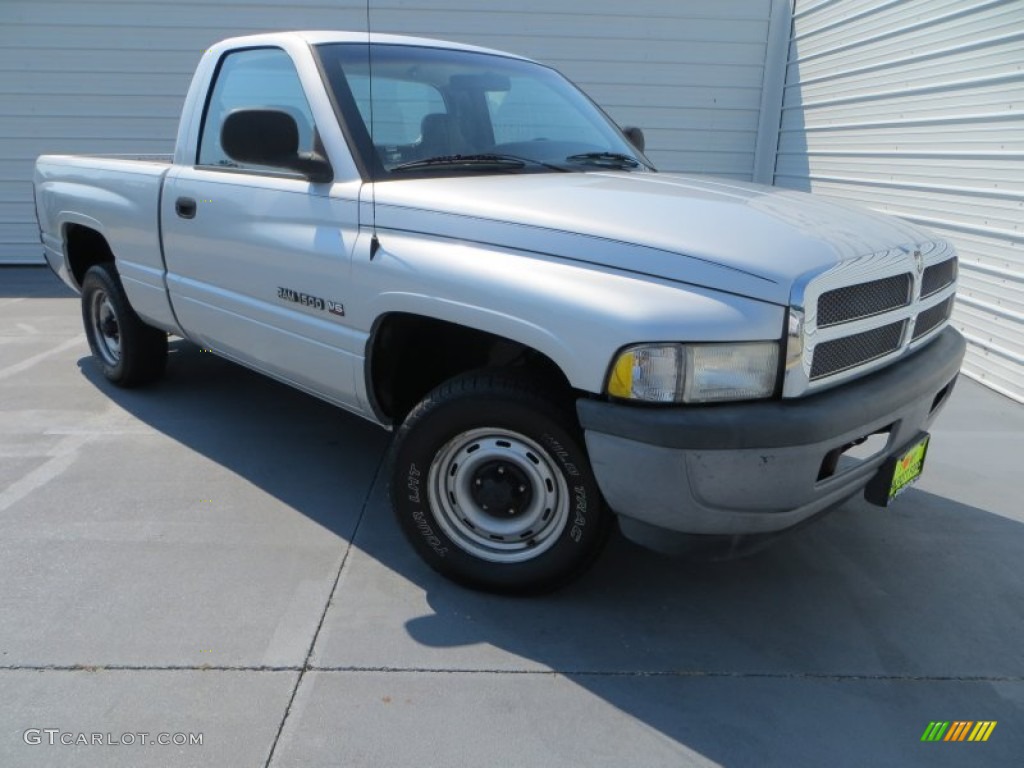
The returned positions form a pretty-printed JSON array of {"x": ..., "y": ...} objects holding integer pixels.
[
  {"x": 84, "y": 248},
  {"x": 409, "y": 355}
]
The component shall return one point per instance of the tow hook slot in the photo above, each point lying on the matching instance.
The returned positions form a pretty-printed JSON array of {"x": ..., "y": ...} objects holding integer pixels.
[{"x": 853, "y": 454}]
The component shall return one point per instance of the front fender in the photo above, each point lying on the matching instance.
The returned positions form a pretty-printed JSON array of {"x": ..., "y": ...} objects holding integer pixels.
[{"x": 579, "y": 315}]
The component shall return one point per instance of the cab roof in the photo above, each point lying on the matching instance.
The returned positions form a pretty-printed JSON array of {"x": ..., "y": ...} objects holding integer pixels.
[{"x": 320, "y": 37}]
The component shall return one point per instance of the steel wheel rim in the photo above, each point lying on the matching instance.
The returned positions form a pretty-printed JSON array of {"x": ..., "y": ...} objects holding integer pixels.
[
  {"x": 105, "y": 328},
  {"x": 494, "y": 534}
]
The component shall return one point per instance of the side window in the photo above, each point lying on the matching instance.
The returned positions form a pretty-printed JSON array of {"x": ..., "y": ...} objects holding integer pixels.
[
  {"x": 399, "y": 108},
  {"x": 261, "y": 78}
]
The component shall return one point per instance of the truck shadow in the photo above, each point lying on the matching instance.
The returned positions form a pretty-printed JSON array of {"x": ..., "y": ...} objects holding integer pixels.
[
  {"x": 306, "y": 453},
  {"x": 872, "y": 616},
  {"x": 869, "y": 616}
]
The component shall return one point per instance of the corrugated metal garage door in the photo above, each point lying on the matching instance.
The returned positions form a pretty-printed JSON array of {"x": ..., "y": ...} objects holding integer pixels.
[
  {"x": 916, "y": 107},
  {"x": 82, "y": 76}
]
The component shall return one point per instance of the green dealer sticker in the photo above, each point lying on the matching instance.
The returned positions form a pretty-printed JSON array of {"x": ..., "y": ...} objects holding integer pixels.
[
  {"x": 908, "y": 468},
  {"x": 898, "y": 473}
]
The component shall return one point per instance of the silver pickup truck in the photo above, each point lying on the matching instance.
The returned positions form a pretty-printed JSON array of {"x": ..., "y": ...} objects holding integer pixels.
[{"x": 459, "y": 245}]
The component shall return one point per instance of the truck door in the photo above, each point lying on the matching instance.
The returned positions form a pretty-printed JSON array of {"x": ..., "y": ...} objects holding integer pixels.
[{"x": 259, "y": 259}]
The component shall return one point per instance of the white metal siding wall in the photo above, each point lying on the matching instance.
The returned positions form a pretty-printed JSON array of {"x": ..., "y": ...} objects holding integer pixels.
[
  {"x": 916, "y": 107},
  {"x": 83, "y": 76}
]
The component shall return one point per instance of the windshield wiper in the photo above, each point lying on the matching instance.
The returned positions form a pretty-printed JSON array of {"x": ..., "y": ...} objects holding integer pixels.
[
  {"x": 486, "y": 160},
  {"x": 606, "y": 159}
]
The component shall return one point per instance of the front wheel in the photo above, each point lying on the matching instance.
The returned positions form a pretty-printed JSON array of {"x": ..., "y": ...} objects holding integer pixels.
[{"x": 492, "y": 488}]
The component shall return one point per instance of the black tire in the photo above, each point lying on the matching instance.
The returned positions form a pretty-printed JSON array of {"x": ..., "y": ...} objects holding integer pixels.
[
  {"x": 129, "y": 352},
  {"x": 459, "y": 467}
]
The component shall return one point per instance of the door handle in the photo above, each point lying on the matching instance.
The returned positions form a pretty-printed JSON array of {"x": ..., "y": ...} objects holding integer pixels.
[{"x": 185, "y": 207}]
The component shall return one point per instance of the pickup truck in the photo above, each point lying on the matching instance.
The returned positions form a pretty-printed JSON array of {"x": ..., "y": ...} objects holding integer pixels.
[{"x": 460, "y": 246}]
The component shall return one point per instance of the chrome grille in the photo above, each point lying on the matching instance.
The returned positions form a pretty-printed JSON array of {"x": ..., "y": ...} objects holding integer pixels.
[
  {"x": 831, "y": 357},
  {"x": 937, "y": 277},
  {"x": 866, "y": 311},
  {"x": 854, "y": 302},
  {"x": 930, "y": 318}
]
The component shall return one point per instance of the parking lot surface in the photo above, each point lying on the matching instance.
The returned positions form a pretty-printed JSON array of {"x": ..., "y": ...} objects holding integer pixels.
[{"x": 214, "y": 555}]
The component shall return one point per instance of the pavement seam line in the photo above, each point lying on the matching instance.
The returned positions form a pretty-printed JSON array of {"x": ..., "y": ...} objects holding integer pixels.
[
  {"x": 679, "y": 674},
  {"x": 143, "y": 668},
  {"x": 683, "y": 673},
  {"x": 327, "y": 605}
]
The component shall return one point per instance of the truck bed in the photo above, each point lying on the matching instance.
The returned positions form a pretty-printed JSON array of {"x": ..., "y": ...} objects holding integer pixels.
[{"x": 119, "y": 197}]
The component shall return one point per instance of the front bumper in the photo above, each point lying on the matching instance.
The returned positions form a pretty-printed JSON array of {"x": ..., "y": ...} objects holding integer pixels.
[{"x": 758, "y": 468}]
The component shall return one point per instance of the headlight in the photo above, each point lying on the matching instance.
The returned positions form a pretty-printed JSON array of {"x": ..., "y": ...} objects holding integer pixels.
[{"x": 695, "y": 373}]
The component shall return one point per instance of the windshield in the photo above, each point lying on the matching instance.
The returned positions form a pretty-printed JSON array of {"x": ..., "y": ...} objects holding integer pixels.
[{"x": 439, "y": 111}]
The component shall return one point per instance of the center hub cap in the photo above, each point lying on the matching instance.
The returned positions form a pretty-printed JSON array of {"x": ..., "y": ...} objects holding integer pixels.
[{"x": 501, "y": 489}]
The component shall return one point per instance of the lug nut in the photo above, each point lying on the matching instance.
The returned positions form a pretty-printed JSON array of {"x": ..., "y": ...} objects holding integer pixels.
[{"x": 501, "y": 470}]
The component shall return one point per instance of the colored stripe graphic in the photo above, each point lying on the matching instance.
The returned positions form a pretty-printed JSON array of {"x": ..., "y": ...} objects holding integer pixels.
[
  {"x": 935, "y": 730},
  {"x": 958, "y": 730},
  {"x": 982, "y": 730}
]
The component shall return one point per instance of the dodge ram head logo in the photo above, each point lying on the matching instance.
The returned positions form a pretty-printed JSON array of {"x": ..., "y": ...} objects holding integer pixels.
[{"x": 919, "y": 263}]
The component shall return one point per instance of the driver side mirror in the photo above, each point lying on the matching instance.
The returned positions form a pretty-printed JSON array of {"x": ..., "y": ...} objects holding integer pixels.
[
  {"x": 271, "y": 137},
  {"x": 635, "y": 136}
]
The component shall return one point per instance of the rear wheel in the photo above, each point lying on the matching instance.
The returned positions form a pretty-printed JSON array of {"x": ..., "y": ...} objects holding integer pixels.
[
  {"x": 493, "y": 489},
  {"x": 128, "y": 352}
]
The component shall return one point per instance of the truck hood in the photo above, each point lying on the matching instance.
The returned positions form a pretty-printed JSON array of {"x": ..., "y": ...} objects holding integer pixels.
[{"x": 746, "y": 239}]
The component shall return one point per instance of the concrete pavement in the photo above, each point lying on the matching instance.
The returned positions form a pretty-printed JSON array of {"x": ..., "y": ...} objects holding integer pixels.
[{"x": 214, "y": 556}]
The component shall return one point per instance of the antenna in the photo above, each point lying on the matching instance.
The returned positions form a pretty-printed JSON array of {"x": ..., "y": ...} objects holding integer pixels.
[{"x": 374, "y": 242}]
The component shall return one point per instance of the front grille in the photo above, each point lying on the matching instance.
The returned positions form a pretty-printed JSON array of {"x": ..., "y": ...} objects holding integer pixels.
[
  {"x": 930, "y": 318},
  {"x": 865, "y": 312},
  {"x": 937, "y": 277},
  {"x": 854, "y": 302},
  {"x": 837, "y": 355}
]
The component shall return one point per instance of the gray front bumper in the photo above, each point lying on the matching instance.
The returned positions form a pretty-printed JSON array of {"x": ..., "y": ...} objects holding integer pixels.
[{"x": 751, "y": 468}]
